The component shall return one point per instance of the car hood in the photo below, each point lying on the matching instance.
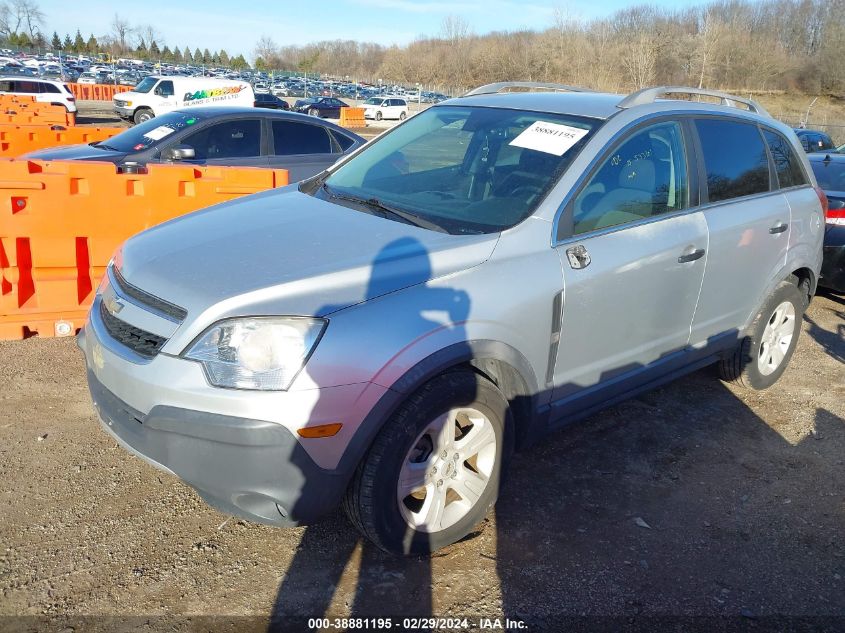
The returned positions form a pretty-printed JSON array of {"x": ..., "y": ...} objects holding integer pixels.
[
  {"x": 285, "y": 252},
  {"x": 74, "y": 152}
]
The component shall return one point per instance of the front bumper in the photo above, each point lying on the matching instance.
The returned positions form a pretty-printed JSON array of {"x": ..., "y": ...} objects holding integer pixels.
[
  {"x": 123, "y": 112},
  {"x": 224, "y": 443}
]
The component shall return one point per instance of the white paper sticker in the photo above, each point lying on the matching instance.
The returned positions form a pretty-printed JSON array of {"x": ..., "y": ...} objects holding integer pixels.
[
  {"x": 551, "y": 138},
  {"x": 159, "y": 133}
]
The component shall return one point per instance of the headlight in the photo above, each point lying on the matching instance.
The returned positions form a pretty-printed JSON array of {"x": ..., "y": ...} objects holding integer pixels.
[{"x": 264, "y": 353}]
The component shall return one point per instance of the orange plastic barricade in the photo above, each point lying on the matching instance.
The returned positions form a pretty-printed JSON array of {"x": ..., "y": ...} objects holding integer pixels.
[
  {"x": 54, "y": 116},
  {"x": 61, "y": 221},
  {"x": 352, "y": 117},
  {"x": 97, "y": 92},
  {"x": 17, "y": 140}
]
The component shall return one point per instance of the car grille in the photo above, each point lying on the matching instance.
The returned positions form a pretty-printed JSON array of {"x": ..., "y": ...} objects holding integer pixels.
[
  {"x": 140, "y": 341},
  {"x": 161, "y": 307}
]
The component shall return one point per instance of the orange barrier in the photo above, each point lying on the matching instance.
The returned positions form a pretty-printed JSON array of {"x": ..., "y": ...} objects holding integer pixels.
[
  {"x": 61, "y": 221},
  {"x": 17, "y": 140},
  {"x": 352, "y": 117},
  {"x": 55, "y": 116},
  {"x": 97, "y": 92}
]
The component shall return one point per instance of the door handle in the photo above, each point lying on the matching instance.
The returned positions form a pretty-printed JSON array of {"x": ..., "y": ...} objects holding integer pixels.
[
  {"x": 692, "y": 256},
  {"x": 778, "y": 228}
]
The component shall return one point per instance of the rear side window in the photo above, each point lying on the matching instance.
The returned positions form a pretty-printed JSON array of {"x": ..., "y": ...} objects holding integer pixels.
[
  {"x": 6, "y": 86},
  {"x": 786, "y": 162},
  {"x": 344, "y": 141},
  {"x": 50, "y": 88},
  {"x": 734, "y": 157},
  {"x": 292, "y": 137}
]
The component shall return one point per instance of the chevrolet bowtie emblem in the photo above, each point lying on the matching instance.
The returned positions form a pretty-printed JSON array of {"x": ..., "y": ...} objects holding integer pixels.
[{"x": 113, "y": 305}]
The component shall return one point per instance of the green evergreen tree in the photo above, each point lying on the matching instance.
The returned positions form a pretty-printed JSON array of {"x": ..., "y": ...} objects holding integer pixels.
[
  {"x": 67, "y": 44},
  {"x": 189, "y": 58},
  {"x": 155, "y": 52},
  {"x": 78, "y": 43},
  {"x": 142, "y": 49},
  {"x": 167, "y": 54},
  {"x": 92, "y": 46},
  {"x": 198, "y": 57},
  {"x": 177, "y": 55},
  {"x": 224, "y": 58},
  {"x": 55, "y": 43}
]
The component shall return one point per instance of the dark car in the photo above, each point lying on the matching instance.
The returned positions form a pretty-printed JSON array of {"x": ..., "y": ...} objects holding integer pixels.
[
  {"x": 830, "y": 174},
  {"x": 264, "y": 100},
  {"x": 252, "y": 137},
  {"x": 814, "y": 141},
  {"x": 325, "y": 107}
]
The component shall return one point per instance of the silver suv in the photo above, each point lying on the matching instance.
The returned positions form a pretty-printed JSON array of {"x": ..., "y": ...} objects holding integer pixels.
[{"x": 386, "y": 334}]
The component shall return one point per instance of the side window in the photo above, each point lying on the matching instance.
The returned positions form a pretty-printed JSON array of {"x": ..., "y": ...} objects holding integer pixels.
[
  {"x": 646, "y": 175},
  {"x": 292, "y": 137},
  {"x": 164, "y": 89},
  {"x": 28, "y": 87},
  {"x": 344, "y": 141},
  {"x": 232, "y": 139},
  {"x": 6, "y": 86},
  {"x": 805, "y": 142},
  {"x": 787, "y": 166},
  {"x": 50, "y": 88},
  {"x": 825, "y": 142},
  {"x": 734, "y": 157}
]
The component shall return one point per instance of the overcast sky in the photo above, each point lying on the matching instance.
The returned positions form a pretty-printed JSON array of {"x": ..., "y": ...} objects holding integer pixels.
[{"x": 235, "y": 26}]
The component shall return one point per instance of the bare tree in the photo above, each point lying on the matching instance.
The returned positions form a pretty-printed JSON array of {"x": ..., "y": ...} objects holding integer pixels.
[
  {"x": 148, "y": 33},
  {"x": 20, "y": 16},
  {"x": 120, "y": 30},
  {"x": 267, "y": 50}
]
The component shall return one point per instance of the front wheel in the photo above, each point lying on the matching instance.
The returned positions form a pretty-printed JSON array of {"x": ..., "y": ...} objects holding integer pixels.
[
  {"x": 763, "y": 355},
  {"x": 433, "y": 472},
  {"x": 142, "y": 115}
]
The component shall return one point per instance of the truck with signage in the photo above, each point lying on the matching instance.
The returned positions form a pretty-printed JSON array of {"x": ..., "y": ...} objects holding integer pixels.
[{"x": 156, "y": 94}]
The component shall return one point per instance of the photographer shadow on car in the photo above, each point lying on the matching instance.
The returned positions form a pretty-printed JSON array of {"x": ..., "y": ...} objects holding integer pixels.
[{"x": 385, "y": 584}]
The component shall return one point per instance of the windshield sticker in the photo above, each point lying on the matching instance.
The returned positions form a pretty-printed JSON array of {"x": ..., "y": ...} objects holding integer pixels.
[
  {"x": 159, "y": 133},
  {"x": 550, "y": 138}
]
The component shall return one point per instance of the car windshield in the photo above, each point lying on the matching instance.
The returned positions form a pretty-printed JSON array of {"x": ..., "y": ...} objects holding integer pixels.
[
  {"x": 150, "y": 133},
  {"x": 464, "y": 169},
  {"x": 373, "y": 101},
  {"x": 829, "y": 174},
  {"x": 146, "y": 84}
]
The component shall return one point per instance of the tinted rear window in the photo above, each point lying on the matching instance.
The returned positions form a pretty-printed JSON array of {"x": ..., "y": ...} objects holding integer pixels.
[
  {"x": 787, "y": 166},
  {"x": 292, "y": 137},
  {"x": 734, "y": 157},
  {"x": 829, "y": 174}
]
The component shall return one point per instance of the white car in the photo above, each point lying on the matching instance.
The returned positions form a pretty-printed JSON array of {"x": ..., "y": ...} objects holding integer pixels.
[
  {"x": 261, "y": 88},
  {"x": 44, "y": 90},
  {"x": 379, "y": 108}
]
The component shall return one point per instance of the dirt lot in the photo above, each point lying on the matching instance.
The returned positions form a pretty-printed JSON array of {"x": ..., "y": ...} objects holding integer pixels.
[{"x": 696, "y": 506}]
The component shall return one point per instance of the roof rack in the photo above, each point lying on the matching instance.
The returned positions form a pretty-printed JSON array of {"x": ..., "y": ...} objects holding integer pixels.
[
  {"x": 650, "y": 95},
  {"x": 522, "y": 86}
]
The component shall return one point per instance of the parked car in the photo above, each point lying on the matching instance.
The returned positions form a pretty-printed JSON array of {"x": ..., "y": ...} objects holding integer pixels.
[
  {"x": 379, "y": 108},
  {"x": 325, "y": 107},
  {"x": 260, "y": 88},
  {"x": 830, "y": 174},
  {"x": 386, "y": 333},
  {"x": 221, "y": 136},
  {"x": 157, "y": 94},
  {"x": 44, "y": 90},
  {"x": 273, "y": 102},
  {"x": 814, "y": 141}
]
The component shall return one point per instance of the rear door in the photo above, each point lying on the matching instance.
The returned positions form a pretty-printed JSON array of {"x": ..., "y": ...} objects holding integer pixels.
[
  {"x": 304, "y": 149},
  {"x": 748, "y": 220},
  {"x": 632, "y": 265}
]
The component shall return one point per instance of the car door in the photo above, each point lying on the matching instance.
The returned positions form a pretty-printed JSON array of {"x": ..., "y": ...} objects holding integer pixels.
[
  {"x": 304, "y": 149},
  {"x": 165, "y": 96},
  {"x": 230, "y": 142},
  {"x": 633, "y": 251},
  {"x": 748, "y": 221}
]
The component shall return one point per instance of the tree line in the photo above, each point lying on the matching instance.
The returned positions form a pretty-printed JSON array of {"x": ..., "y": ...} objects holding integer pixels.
[{"x": 730, "y": 44}]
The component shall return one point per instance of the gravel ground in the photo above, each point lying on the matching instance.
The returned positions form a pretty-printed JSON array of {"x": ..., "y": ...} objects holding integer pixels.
[{"x": 697, "y": 506}]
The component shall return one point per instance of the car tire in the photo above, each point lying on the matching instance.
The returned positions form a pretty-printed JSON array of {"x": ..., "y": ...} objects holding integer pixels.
[
  {"x": 402, "y": 116},
  {"x": 378, "y": 116},
  {"x": 141, "y": 115},
  {"x": 411, "y": 444},
  {"x": 763, "y": 354},
  {"x": 314, "y": 112}
]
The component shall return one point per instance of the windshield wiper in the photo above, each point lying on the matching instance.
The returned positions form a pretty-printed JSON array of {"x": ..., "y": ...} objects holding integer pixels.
[{"x": 375, "y": 203}]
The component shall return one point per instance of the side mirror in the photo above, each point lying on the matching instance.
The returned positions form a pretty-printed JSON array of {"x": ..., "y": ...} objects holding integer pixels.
[{"x": 178, "y": 152}]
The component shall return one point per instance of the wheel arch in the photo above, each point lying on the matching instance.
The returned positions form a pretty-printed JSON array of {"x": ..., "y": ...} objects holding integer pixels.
[{"x": 498, "y": 362}]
